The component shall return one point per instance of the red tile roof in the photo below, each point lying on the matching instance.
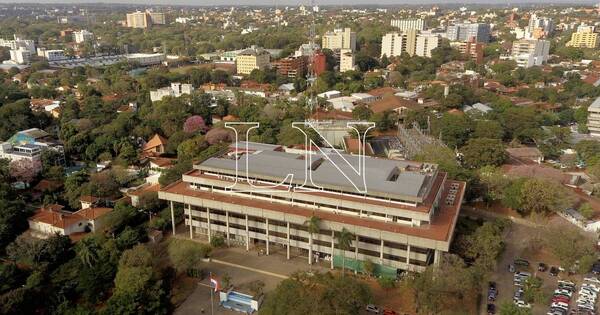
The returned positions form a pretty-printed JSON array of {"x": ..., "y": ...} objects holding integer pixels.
[
  {"x": 93, "y": 213},
  {"x": 54, "y": 216}
]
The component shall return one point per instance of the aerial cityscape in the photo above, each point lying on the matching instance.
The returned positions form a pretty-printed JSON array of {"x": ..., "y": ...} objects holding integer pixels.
[{"x": 300, "y": 158}]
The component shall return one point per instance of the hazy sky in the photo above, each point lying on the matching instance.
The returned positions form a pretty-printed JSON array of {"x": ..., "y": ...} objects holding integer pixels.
[{"x": 298, "y": 2}]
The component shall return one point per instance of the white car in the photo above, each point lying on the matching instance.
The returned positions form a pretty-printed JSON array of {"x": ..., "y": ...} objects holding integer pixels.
[
  {"x": 566, "y": 282},
  {"x": 591, "y": 287},
  {"x": 588, "y": 293},
  {"x": 592, "y": 279},
  {"x": 560, "y": 304},
  {"x": 522, "y": 304},
  {"x": 563, "y": 292}
]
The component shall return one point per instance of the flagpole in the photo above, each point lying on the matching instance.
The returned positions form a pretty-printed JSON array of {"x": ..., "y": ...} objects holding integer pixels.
[{"x": 212, "y": 309}]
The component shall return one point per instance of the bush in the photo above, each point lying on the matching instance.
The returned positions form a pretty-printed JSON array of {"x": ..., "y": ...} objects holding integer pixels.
[{"x": 217, "y": 241}]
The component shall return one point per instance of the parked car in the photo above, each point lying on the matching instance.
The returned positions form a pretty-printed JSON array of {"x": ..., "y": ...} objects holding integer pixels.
[
  {"x": 591, "y": 279},
  {"x": 554, "y": 271},
  {"x": 491, "y": 309},
  {"x": 596, "y": 268},
  {"x": 492, "y": 291},
  {"x": 372, "y": 309},
  {"x": 521, "y": 262},
  {"x": 523, "y": 304},
  {"x": 542, "y": 267},
  {"x": 511, "y": 268},
  {"x": 389, "y": 312}
]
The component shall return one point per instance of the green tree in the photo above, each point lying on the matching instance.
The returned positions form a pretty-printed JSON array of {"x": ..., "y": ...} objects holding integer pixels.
[
  {"x": 313, "y": 226},
  {"x": 344, "y": 240},
  {"x": 479, "y": 152},
  {"x": 186, "y": 254}
]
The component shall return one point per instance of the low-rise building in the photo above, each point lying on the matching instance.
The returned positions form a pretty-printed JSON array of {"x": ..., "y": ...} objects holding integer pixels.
[
  {"x": 175, "y": 90},
  {"x": 291, "y": 67},
  {"x": 83, "y": 36}
]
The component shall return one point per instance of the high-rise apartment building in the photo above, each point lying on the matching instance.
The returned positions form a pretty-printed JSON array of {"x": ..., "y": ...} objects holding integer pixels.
[
  {"x": 409, "y": 24},
  {"x": 542, "y": 24},
  {"x": 404, "y": 219},
  {"x": 291, "y": 67},
  {"x": 146, "y": 19},
  {"x": 346, "y": 60},
  {"x": 426, "y": 44},
  {"x": 252, "y": 58},
  {"x": 584, "y": 38},
  {"x": 340, "y": 39},
  {"x": 594, "y": 118},
  {"x": 530, "y": 52},
  {"x": 463, "y": 32},
  {"x": 410, "y": 42},
  {"x": 471, "y": 49}
]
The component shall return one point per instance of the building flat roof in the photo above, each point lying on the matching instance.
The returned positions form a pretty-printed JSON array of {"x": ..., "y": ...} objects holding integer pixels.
[{"x": 383, "y": 177}]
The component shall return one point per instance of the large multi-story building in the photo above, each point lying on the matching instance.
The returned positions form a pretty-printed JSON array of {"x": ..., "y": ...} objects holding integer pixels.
[
  {"x": 584, "y": 38},
  {"x": 594, "y": 118},
  {"x": 146, "y": 19},
  {"x": 542, "y": 25},
  {"x": 403, "y": 216},
  {"x": 83, "y": 36},
  {"x": 409, "y": 24},
  {"x": 466, "y": 31},
  {"x": 291, "y": 67},
  {"x": 410, "y": 42},
  {"x": 346, "y": 60},
  {"x": 340, "y": 39},
  {"x": 252, "y": 58},
  {"x": 394, "y": 44},
  {"x": 426, "y": 44},
  {"x": 51, "y": 54},
  {"x": 17, "y": 43},
  {"x": 470, "y": 49},
  {"x": 319, "y": 63},
  {"x": 29, "y": 144},
  {"x": 20, "y": 56},
  {"x": 530, "y": 52}
]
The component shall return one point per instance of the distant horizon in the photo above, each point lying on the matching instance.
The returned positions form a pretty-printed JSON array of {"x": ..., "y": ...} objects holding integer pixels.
[{"x": 281, "y": 3}]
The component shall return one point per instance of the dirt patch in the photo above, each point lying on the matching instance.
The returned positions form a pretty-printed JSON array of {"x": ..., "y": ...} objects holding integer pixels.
[{"x": 183, "y": 287}]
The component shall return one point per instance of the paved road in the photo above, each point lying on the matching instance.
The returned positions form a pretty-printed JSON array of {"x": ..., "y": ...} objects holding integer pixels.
[{"x": 268, "y": 273}]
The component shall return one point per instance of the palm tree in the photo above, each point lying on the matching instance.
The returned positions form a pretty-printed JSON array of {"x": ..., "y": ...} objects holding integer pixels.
[
  {"x": 344, "y": 240},
  {"x": 87, "y": 251},
  {"x": 312, "y": 224}
]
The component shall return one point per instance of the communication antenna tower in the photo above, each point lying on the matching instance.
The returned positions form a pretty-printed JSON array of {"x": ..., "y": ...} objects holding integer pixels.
[{"x": 312, "y": 77}]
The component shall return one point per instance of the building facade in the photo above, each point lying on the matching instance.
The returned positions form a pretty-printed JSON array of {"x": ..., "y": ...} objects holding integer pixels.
[
  {"x": 530, "y": 52},
  {"x": 425, "y": 44},
  {"x": 175, "y": 90},
  {"x": 394, "y": 44},
  {"x": 585, "y": 38},
  {"x": 404, "y": 221},
  {"x": 252, "y": 58},
  {"x": 463, "y": 32},
  {"x": 347, "y": 61},
  {"x": 340, "y": 39},
  {"x": 291, "y": 67},
  {"x": 83, "y": 36},
  {"x": 594, "y": 118},
  {"x": 471, "y": 49},
  {"x": 409, "y": 24},
  {"x": 146, "y": 19}
]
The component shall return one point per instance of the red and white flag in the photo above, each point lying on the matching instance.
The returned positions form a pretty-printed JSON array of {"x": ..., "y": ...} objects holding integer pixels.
[{"x": 214, "y": 282}]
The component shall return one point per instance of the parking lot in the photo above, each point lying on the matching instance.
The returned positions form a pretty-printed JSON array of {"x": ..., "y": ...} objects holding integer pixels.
[{"x": 554, "y": 289}]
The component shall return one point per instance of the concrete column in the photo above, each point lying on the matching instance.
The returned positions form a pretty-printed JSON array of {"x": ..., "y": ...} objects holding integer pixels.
[
  {"x": 356, "y": 252},
  {"x": 172, "y": 217},
  {"x": 437, "y": 257},
  {"x": 332, "y": 247},
  {"x": 288, "y": 240},
  {"x": 190, "y": 221},
  {"x": 408, "y": 257},
  {"x": 208, "y": 222},
  {"x": 310, "y": 253},
  {"x": 381, "y": 252},
  {"x": 227, "y": 227},
  {"x": 247, "y": 235},
  {"x": 267, "y": 233}
]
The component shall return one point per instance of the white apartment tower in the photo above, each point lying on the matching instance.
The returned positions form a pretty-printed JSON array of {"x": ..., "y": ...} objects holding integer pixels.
[
  {"x": 340, "y": 39},
  {"x": 426, "y": 44},
  {"x": 530, "y": 52},
  {"x": 346, "y": 60},
  {"x": 83, "y": 36},
  {"x": 409, "y": 24},
  {"x": 594, "y": 118}
]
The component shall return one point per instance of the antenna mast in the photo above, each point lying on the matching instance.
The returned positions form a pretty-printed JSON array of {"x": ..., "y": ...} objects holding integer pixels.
[{"x": 312, "y": 76}]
